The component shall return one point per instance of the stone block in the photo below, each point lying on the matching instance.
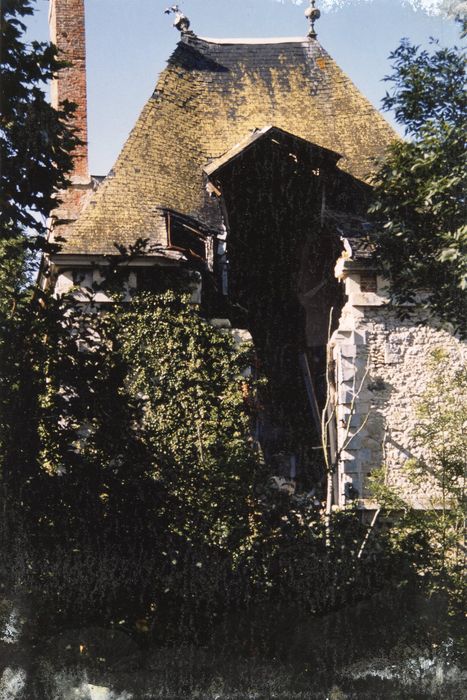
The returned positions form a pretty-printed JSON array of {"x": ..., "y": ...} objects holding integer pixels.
[
  {"x": 342, "y": 335},
  {"x": 349, "y": 456},
  {"x": 367, "y": 299},
  {"x": 348, "y": 467},
  {"x": 359, "y": 338},
  {"x": 361, "y": 363},
  {"x": 355, "y": 420},
  {"x": 346, "y": 372},
  {"x": 354, "y": 442},
  {"x": 392, "y": 353},
  {"x": 345, "y": 395},
  {"x": 348, "y": 350},
  {"x": 352, "y": 285}
]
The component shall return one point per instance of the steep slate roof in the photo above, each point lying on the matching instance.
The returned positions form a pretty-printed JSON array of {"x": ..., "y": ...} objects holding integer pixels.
[{"x": 213, "y": 94}]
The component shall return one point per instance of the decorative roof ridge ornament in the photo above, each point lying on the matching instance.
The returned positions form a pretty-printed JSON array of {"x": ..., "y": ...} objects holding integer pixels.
[
  {"x": 181, "y": 21},
  {"x": 312, "y": 14}
]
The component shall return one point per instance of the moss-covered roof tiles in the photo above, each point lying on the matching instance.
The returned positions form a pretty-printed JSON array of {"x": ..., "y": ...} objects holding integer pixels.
[{"x": 211, "y": 95}]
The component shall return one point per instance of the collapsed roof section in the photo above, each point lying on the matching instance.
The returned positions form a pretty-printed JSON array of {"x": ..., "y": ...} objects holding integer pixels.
[
  {"x": 210, "y": 95},
  {"x": 281, "y": 138}
]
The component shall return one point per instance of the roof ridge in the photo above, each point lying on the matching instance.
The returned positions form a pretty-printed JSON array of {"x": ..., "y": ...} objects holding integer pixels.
[{"x": 254, "y": 40}]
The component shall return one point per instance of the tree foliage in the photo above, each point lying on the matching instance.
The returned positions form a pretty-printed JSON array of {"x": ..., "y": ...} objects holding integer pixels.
[
  {"x": 36, "y": 141},
  {"x": 420, "y": 188},
  {"x": 36, "y": 144},
  {"x": 135, "y": 494}
]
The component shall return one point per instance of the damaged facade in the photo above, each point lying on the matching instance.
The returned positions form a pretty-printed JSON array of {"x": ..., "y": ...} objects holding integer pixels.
[{"x": 249, "y": 165}]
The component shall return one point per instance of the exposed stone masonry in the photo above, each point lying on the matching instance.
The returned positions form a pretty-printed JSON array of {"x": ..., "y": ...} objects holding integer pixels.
[{"x": 382, "y": 371}]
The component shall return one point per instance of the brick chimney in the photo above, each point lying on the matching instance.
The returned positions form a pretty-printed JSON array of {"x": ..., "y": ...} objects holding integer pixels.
[{"x": 67, "y": 32}]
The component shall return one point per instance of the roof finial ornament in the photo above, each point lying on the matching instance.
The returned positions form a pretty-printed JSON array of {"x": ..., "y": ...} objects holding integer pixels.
[
  {"x": 312, "y": 14},
  {"x": 181, "y": 22}
]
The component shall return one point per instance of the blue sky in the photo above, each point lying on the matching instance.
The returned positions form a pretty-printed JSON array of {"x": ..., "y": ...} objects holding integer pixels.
[{"x": 128, "y": 42}]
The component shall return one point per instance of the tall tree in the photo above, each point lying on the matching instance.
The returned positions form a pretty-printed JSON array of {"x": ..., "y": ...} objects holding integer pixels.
[
  {"x": 36, "y": 141},
  {"x": 420, "y": 188}
]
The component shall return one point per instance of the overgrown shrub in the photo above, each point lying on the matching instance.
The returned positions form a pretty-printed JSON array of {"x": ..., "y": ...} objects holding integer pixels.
[{"x": 134, "y": 492}]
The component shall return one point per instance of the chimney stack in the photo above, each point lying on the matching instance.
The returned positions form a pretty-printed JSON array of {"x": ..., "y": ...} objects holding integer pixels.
[{"x": 67, "y": 32}]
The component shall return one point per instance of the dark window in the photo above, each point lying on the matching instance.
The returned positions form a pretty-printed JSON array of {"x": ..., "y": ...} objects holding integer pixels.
[{"x": 186, "y": 238}]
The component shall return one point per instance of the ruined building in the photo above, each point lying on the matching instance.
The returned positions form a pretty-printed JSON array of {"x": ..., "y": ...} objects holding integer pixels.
[{"x": 249, "y": 166}]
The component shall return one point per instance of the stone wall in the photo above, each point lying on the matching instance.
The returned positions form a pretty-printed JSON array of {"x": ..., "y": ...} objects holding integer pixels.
[{"x": 382, "y": 366}]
